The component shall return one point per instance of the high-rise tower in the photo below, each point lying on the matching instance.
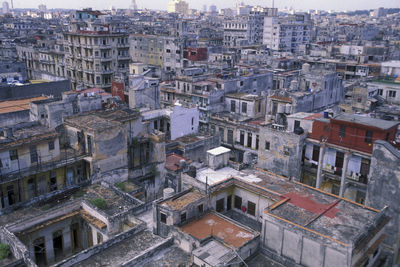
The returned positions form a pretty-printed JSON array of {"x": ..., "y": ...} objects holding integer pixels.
[{"x": 133, "y": 5}]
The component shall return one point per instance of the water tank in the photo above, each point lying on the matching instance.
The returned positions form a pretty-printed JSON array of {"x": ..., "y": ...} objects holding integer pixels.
[
  {"x": 288, "y": 109},
  {"x": 182, "y": 164},
  {"x": 281, "y": 108},
  {"x": 305, "y": 68},
  {"x": 168, "y": 192}
]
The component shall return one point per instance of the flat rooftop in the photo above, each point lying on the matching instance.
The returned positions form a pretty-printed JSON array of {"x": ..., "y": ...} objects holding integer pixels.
[
  {"x": 172, "y": 162},
  {"x": 181, "y": 201},
  {"x": 18, "y": 105},
  {"x": 214, "y": 253},
  {"x": 91, "y": 122},
  {"x": 219, "y": 150},
  {"x": 26, "y": 133},
  {"x": 368, "y": 121},
  {"x": 214, "y": 225},
  {"x": 305, "y": 115},
  {"x": 115, "y": 203},
  {"x": 314, "y": 210},
  {"x": 123, "y": 251}
]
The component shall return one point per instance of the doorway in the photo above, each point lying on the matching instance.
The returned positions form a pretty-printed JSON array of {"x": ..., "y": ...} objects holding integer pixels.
[
  {"x": 39, "y": 249},
  {"x": 229, "y": 202},
  {"x": 58, "y": 245}
]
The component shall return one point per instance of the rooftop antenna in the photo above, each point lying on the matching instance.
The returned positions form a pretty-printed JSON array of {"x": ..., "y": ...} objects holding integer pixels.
[
  {"x": 12, "y": 4},
  {"x": 273, "y": 3}
]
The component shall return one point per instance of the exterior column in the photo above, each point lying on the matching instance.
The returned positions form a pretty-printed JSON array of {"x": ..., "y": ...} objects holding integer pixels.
[
  {"x": 344, "y": 173},
  {"x": 320, "y": 163}
]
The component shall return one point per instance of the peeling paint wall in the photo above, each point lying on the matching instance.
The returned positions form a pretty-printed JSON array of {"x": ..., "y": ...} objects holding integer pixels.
[
  {"x": 280, "y": 152},
  {"x": 384, "y": 189}
]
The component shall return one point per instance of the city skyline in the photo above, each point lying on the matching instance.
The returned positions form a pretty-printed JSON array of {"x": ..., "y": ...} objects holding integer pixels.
[{"x": 162, "y": 5}]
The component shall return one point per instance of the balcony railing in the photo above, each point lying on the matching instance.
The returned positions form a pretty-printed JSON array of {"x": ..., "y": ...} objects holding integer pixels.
[{"x": 66, "y": 157}]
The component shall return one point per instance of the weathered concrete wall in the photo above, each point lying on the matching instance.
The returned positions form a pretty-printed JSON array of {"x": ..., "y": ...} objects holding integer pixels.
[
  {"x": 184, "y": 121},
  {"x": 100, "y": 247},
  {"x": 18, "y": 249},
  {"x": 284, "y": 154},
  {"x": 146, "y": 254},
  {"x": 384, "y": 188},
  {"x": 294, "y": 247},
  {"x": 33, "y": 90},
  {"x": 7, "y": 119}
]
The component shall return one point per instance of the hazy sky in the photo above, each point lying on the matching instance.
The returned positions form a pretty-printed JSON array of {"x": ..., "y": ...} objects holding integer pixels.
[{"x": 162, "y": 4}]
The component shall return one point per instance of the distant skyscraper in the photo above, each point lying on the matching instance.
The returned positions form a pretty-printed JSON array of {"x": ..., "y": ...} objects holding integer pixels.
[
  {"x": 204, "y": 8},
  {"x": 6, "y": 7},
  {"x": 213, "y": 8},
  {"x": 42, "y": 8},
  {"x": 133, "y": 5}
]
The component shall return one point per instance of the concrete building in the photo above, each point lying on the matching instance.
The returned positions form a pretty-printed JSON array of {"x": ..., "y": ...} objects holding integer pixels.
[
  {"x": 5, "y": 7},
  {"x": 164, "y": 52},
  {"x": 16, "y": 111},
  {"x": 388, "y": 89},
  {"x": 178, "y": 6},
  {"x": 238, "y": 126},
  {"x": 244, "y": 30},
  {"x": 285, "y": 34},
  {"x": 94, "y": 53},
  {"x": 33, "y": 164},
  {"x": 269, "y": 205}
]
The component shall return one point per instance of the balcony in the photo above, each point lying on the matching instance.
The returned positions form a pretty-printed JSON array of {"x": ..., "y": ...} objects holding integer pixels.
[
  {"x": 126, "y": 45},
  {"x": 124, "y": 57},
  {"x": 90, "y": 71},
  {"x": 105, "y": 46},
  {"x": 107, "y": 71},
  {"x": 105, "y": 59},
  {"x": 67, "y": 157}
]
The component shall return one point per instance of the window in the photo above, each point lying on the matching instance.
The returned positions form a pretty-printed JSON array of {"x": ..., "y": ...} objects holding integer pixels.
[
  {"x": 342, "y": 131},
  {"x": 242, "y": 138},
  {"x": 238, "y": 202},
  {"x": 392, "y": 94},
  {"x": 249, "y": 139},
  {"x": 251, "y": 208},
  {"x": 163, "y": 218},
  {"x": 259, "y": 106},
  {"x": 230, "y": 137},
  {"x": 221, "y": 133},
  {"x": 233, "y": 106},
  {"x": 13, "y": 154},
  {"x": 51, "y": 145},
  {"x": 257, "y": 141},
  {"x": 368, "y": 137},
  {"x": 33, "y": 153},
  {"x": 1, "y": 164},
  {"x": 183, "y": 217},
  {"x": 387, "y": 136},
  {"x": 244, "y": 107},
  {"x": 380, "y": 92},
  {"x": 296, "y": 124},
  {"x": 267, "y": 145},
  {"x": 220, "y": 205},
  {"x": 200, "y": 208}
]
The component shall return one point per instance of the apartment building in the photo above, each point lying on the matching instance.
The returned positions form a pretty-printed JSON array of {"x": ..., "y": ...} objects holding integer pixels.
[
  {"x": 96, "y": 50},
  {"x": 165, "y": 52},
  {"x": 285, "y": 34},
  {"x": 33, "y": 164},
  {"x": 243, "y": 30}
]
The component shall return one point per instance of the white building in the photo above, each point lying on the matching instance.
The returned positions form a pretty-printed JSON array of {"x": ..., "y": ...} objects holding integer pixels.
[
  {"x": 178, "y": 6},
  {"x": 6, "y": 7},
  {"x": 285, "y": 34}
]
